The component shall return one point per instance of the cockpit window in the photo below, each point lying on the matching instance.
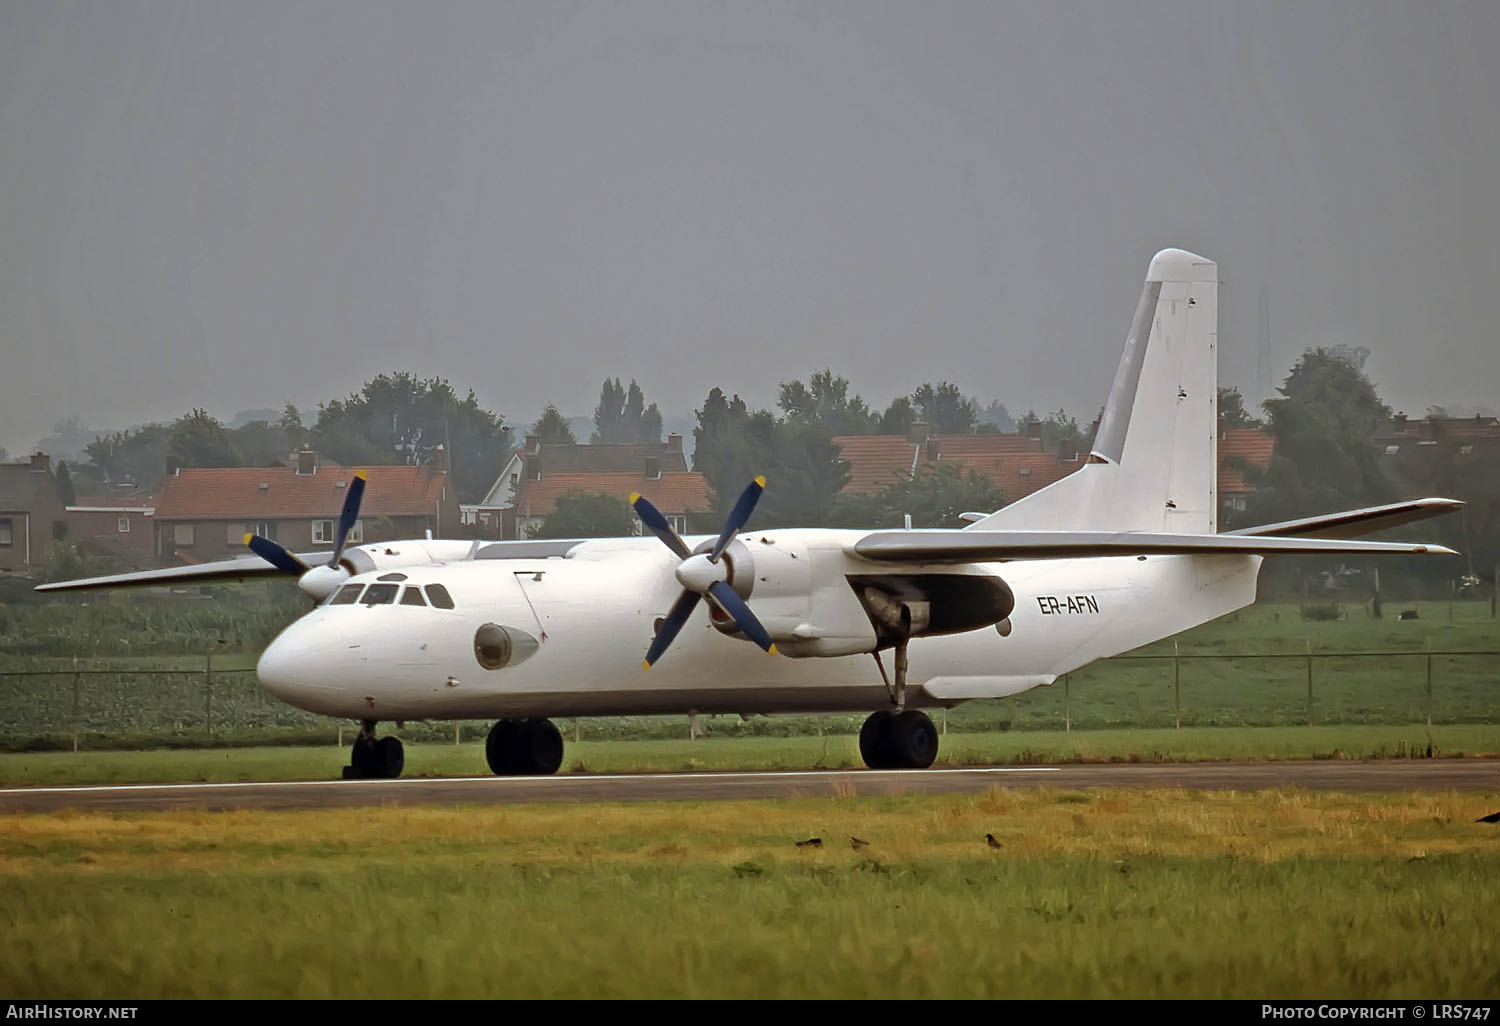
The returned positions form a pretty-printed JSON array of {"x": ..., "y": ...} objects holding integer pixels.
[
  {"x": 439, "y": 597},
  {"x": 347, "y": 595},
  {"x": 413, "y": 597},
  {"x": 380, "y": 594}
]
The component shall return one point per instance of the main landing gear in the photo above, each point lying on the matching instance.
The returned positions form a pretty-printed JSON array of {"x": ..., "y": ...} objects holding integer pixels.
[
  {"x": 524, "y": 748},
  {"x": 374, "y": 759},
  {"x": 897, "y": 738}
]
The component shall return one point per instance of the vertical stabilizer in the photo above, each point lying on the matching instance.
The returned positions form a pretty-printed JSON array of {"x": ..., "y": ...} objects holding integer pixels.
[{"x": 1154, "y": 465}]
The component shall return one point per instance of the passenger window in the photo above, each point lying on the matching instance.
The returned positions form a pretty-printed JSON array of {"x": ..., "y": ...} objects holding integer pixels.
[
  {"x": 439, "y": 597},
  {"x": 347, "y": 595},
  {"x": 413, "y": 597},
  {"x": 380, "y": 594}
]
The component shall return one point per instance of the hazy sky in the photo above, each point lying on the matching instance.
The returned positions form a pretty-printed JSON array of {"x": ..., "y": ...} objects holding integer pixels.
[{"x": 234, "y": 204}]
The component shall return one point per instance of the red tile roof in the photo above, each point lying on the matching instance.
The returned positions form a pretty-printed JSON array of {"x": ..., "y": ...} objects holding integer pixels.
[
  {"x": 676, "y": 491},
  {"x": 878, "y": 461},
  {"x": 1242, "y": 447},
  {"x": 234, "y": 492}
]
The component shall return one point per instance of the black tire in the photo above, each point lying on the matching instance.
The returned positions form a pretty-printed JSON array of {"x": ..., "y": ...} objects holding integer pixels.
[
  {"x": 913, "y": 740},
  {"x": 390, "y": 757},
  {"x": 541, "y": 748},
  {"x": 875, "y": 740},
  {"x": 500, "y": 747},
  {"x": 364, "y": 761}
]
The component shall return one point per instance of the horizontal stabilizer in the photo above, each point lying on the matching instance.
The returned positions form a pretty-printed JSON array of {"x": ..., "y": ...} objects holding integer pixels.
[
  {"x": 1001, "y": 546},
  {"x": 205, "y": 573},
  {"x": 1354, "y": 522}
]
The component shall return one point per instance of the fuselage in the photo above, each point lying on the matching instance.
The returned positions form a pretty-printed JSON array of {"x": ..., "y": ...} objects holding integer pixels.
[{"x": 581, "y": 624}]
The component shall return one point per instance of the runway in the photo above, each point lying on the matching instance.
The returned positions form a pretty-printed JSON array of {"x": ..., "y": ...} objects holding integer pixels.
[{"x": 1378, "y": 775}]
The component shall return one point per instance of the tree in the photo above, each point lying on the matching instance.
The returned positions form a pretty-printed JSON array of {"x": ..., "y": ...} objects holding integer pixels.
[
  {"x": 587, "y": 515},
  {"x": 1056, "y": 428},
  {"x": 623, "y": 416},
  {"x": 934, "y": 497},
  {"x": 65, "y": 489},
  {"x": 996, "y": 416},
  {"x": 898, "y": 417},
  {"x": 945, "y": 409},
  {"x": 732, "y": 446},
  {"x": 825, "y": 400},
  {"x": 398, "y": 418},
  {"x": 136, "y": 457},
  {"x": 1324, "y": 425},
  {"x": 552, "y": 428},
  {"x": 1232, "y": 412},
  {"x": 199, "y": 440}
]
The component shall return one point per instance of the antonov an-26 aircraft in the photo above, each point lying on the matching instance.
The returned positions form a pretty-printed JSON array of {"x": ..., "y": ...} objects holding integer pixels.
[{"x": 1123, "y": 552}]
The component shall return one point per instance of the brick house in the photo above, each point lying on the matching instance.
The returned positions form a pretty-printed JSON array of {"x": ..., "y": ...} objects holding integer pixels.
[
  {"x": 1240, "y": 450},
  {"x": 203, "y": 514},
  {"x": 1017, "y": 463},
  {"x": 32, "y": 516},
  {"x": 120, "y": 526}
]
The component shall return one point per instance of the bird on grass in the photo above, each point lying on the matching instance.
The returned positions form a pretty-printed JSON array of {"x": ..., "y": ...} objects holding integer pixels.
[
  {"x": 1493, "y": 817},
  {"x": 811, "y": 842},
  {"x": 990, "y": 840},
  {"x": 856, "y": 843}
]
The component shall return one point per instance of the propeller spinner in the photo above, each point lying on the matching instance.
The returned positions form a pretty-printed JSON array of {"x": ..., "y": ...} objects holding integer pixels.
[
  {"x": 705, "y": 574},
  {"x": 317, "y": 581}
]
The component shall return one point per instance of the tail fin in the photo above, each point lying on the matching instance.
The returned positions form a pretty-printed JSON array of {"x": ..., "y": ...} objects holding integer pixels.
[{"x": 1154, "y": 465}]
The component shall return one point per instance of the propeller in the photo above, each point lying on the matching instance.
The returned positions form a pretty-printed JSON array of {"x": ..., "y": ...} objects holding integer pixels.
[
  {"x": 317, "y": 581},
  {"x": 705, "y": 574}
]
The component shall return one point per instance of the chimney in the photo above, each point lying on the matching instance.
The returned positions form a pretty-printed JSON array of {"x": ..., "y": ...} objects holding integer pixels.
[
  {"x": 40, "y": 461},
  {"x": 1067, "y": 450},
  {"x": 934, "y": 452},
  {"x": 674, "y": 442},
  {"x": 1401, "y": 423},
  {"x": 534, "y": 467},
  {"x": 917, "y": 433},
  {"x": 307, "y": 462},
  {"x": 653, "y": 468},
  {"x": 441, "y": 453},
  {"x": 533, "y": 443},
  {"x": 1033, "y": 429}
]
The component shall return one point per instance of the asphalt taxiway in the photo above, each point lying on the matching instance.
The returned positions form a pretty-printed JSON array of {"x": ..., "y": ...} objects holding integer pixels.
[{"x": 1333, "y": 775}]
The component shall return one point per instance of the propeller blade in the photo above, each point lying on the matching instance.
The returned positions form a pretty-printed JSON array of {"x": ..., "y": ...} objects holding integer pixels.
[
  {"x": 671, "y": 624},
  {"x": 743, "y": 507},
  {"x": 735, "y": 606},
  {"x": 348, "y": 516},
  {"x": 658, "y": 525},
  {"x": 277, "y": 556}
]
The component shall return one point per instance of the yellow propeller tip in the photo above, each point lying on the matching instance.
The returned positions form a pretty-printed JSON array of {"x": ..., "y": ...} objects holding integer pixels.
[
  {"x": 633, "y": 497},
  {"x": 248, "y": 537},
  {"x": 771, "y": 650},
  {"x": 645, "y": 664},
  {"x": 761, "y": 480},
  {"x": 361, "y": 475}
]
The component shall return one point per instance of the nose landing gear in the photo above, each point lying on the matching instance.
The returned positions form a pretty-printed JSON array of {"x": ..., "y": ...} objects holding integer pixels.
[
  {"x": 374, "y": 759},
  {"x": 524, "y": 748}
]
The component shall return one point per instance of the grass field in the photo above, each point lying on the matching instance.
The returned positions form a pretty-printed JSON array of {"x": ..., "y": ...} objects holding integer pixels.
[
  {"x": 762, "y": 753},
  {"x": 1095, "y": 895}
]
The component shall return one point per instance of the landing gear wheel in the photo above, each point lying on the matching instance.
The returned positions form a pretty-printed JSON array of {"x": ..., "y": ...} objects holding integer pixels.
[
  {"x": 524, "y": 747},
  {"x": 372, "y": 759},
  {"x": 390, "y": 757},
  {"x": 913, "y": 739},
  {"x": 875, "y": 741}
]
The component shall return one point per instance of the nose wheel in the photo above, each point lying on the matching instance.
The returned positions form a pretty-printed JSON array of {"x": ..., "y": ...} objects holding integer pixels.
[
  {"x": 524, "y": 748},
  {"x": 372, "y": 758}
]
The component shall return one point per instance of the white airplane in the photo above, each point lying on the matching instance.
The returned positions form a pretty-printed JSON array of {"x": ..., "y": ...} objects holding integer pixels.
[{"x": 1121, "y": 553}]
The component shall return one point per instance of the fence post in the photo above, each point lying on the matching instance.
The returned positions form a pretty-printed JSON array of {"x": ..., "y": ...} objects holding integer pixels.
[
  {"x": 577, "y": 730},
  {"x": 208, "y": 693},
  {"x": 1176, "y": 688},
  {"x": 945, "y": 723},
  {"x": 75, "y": 703},
  {"x": 1427, "y": 645},
  {"x": 1067, "y": 712},
  {"x": 1309, "y": 684},
  {"x": 458, "y": 727}
]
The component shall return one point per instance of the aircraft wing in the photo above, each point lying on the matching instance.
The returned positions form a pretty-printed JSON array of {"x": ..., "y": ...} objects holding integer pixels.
[
  {"x": 1354, "y": 522},
  {"x": 944, "y": 546},
  {"x": 238, "y": 569}
]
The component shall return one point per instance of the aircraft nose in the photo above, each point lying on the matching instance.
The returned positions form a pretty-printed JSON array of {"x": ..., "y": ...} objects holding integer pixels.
[{"x": 283, "y": 668}]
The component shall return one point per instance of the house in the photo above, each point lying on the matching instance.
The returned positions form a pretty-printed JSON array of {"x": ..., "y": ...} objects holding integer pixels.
[
  {"x": 203, "y": 514},
  {"x": 1442, "y": 455},
  {"x": 529, "y": 484},
  {"x": 1240, "y": 450},
  {"x": 32, "y": 516},
  {"x": 1017, "y": 463},
  {"x": 119, "y": 525}
]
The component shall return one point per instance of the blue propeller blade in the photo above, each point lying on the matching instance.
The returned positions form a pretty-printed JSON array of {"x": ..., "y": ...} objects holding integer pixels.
[
  {"x": 735, "y": 606},
  {"x": 743, "y": 507},
  {"x": 671, "y": 625},
  {"x": 348, "y": 516},
  {"x": 658, "y": 525},
  {"x": 277, "y": 556}
]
